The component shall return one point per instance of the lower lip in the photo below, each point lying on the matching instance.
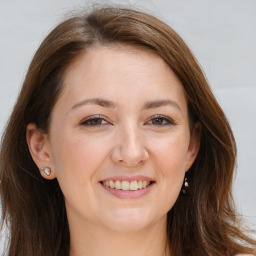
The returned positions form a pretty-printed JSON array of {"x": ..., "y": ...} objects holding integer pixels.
[{"x": 128, "y": 194}]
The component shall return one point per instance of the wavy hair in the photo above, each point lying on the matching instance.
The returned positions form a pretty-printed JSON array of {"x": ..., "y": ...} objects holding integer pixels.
[{"x": 203, "y": 222}]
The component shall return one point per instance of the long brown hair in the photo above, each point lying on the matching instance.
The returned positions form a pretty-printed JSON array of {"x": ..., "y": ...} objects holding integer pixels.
[{"x": 202, "y": 222}]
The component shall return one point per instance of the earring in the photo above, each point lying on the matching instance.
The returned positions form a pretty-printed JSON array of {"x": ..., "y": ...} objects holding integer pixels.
[
  {"x": 185, "y": 186},
  {"x": 46, "y": 170}
]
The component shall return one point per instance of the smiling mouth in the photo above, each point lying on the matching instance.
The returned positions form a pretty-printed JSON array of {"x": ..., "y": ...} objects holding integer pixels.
[{"x": 127, "y": 185}]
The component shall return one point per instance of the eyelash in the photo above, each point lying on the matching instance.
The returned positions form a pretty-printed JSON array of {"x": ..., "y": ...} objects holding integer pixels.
[
  {"x": 93, "y": 118},
  {"x": 165, "y": 119},
  {"x": 86, "y": 122}
]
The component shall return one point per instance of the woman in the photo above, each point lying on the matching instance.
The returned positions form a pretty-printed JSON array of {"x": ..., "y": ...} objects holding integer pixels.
[{"x": 117, "y": 145}]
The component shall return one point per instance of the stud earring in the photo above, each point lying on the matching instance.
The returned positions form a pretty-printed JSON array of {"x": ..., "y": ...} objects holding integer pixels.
[
  {"x": 185, "y": 186},
  {"x": 46, "y": 170}
]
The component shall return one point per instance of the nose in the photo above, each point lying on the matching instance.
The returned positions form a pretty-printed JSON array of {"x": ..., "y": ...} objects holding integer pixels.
[{"x": 129, "y": 149}]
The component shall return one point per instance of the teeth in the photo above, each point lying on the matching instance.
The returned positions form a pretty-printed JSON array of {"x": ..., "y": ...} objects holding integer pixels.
[
  {"x": 111, "y": 184},
  {"x": 144, "y": 184},
  {"x": 140, "y": 184},
  {"x": 126, "y": 185},
  {"x": 134, "y": 185},
  {"x": 118, "y": 184}
]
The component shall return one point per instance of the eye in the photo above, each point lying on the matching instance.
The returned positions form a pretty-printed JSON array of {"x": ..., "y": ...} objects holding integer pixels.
[
  {"x": 94, "y": 121},
  {"x": 160, "y": 121}
]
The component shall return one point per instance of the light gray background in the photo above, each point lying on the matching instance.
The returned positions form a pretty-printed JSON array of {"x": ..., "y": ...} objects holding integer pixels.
[{"x": 221, "y": 34}]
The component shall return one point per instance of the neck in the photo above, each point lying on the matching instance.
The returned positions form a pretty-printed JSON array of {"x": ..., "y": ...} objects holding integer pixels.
[{"x": 97, "y": 241}]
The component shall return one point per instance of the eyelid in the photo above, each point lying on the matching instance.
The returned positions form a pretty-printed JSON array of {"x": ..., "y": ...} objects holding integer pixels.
[
  {"x": 92, "y": 117},
  {"x": 101, "y": 117},
  {"x": 168, "y": 119}
]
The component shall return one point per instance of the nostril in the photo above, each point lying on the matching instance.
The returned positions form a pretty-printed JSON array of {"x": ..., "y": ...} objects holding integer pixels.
[{"x": 130, "y": 154}]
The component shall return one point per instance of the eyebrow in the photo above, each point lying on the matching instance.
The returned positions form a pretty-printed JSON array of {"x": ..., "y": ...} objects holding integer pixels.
[
  {"x": 110, "y": 104},
  {"x": 160, "y": 103},
  {"x": 96, "y": 101}
]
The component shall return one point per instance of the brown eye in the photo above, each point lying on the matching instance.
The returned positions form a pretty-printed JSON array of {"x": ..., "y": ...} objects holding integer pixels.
[
  {"x": 157, "y": 121},
  {"x": 94, "y": 121},
  {"x": 160, "y": 121}
]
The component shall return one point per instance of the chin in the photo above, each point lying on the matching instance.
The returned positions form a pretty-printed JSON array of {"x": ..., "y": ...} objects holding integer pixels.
[{"x": 130, "y": 220}]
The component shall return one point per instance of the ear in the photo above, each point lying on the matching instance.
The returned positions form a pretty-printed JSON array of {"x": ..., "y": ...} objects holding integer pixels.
[
  {"x": 194, "y": 145},
  {"x": 39, "y": 148}
]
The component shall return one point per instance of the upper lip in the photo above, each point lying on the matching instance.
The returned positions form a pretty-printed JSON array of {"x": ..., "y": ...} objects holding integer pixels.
[{"x": 128, "y": 178}]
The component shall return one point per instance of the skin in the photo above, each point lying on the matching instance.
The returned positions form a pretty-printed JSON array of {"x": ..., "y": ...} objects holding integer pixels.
[{"x": 130, "y": 138}]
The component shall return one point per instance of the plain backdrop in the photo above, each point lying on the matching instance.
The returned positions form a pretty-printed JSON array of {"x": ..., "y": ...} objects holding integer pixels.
[{"x": 221, "y": 34}]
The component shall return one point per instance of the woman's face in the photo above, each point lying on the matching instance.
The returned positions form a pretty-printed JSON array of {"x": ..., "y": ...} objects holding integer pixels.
[{"x": 119, "y": 142}]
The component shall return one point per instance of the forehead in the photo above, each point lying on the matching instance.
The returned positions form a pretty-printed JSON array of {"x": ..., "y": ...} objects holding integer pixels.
[{"x": 118, "y": 72}]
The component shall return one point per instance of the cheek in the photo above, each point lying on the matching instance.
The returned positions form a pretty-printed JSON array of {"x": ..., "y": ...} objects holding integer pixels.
[
  {"x": 170, "y": 154},
  {"x": 169, "y": 157},
  {"x": 76, "y": 161},
  {"x": 77, "y": 155}
]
